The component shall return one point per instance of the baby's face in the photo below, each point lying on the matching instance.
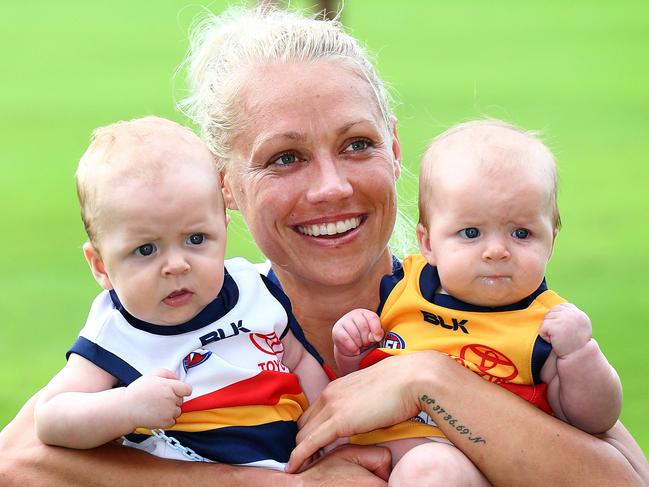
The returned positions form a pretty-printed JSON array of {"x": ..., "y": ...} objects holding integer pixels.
[
  {"x": 162, "y": 242},
  {"x": 489, "y": 236}
]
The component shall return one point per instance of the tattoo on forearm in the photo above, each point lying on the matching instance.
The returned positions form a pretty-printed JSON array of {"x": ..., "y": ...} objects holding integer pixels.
[{"x": 444, "y": 415}]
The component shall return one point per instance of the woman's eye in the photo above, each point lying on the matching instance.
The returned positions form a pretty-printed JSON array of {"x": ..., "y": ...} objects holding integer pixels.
[
  {"x": 358, "y": 145},
  {"x": 470, "y": 232},
  {"x": 145, "y": 250},
  {"x": 285, "y": 159},
  {"x": 521, "y": 233},
  {"x": 195, "y": 239}
]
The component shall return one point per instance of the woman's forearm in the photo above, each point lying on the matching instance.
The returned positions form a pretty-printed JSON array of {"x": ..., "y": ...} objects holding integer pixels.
[
  {"x": 509, "y": 440},
  {"x": 514, "y": 443},
  {"x": 25, "y": 461}
]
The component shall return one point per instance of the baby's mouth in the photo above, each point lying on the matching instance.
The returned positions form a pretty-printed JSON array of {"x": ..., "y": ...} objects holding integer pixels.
[{"x": 178, "y": 298}]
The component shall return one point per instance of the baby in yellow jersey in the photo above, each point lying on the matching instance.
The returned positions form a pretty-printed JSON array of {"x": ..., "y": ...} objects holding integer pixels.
[{"x": 488, "y": 220}]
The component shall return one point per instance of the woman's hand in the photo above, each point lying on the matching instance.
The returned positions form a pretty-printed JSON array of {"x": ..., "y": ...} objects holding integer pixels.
[
  {"x": 364, "y": 466},
  {"x": 376, "y": 397}
]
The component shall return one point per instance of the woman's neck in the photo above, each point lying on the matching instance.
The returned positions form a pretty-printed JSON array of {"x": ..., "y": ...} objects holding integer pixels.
[{"x": 317, "y": 307}]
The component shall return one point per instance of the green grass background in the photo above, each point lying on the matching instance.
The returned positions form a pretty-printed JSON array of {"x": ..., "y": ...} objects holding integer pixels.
[{"x": 578, "y": 70}]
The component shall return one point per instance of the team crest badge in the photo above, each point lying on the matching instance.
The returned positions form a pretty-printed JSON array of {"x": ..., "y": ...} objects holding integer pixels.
[
  {"x": 394, "y": 341},
  {"x": 195, "y": 358}
]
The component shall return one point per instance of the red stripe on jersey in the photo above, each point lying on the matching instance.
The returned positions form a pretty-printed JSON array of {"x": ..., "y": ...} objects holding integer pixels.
[
  {"x": 535, "y": 394},
  {"x": 373, "y": 357},
  {"x": 265, "y": 388}
]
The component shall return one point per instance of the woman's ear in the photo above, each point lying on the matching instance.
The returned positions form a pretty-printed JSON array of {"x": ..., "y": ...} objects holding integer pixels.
[
  {"x": 226, "y": 186},
  {"x": 396, "y": 148},
  {"x": 96, "y": 265},
  {"x": 423, "y": 239}
]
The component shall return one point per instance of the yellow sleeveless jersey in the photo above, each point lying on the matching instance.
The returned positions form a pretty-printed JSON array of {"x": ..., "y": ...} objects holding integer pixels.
[{"x": 501, "y": 344}]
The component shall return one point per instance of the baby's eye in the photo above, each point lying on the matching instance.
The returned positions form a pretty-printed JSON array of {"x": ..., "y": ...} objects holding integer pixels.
[
  {"x": 521, "y": 233},
  {"x": 285, "y": 159},
  {"x": 145, "y": 250},
  {"x": 358, "y": 145},
  {"x": 469, "y": 233},
  {"x": 195, "y": 239}
]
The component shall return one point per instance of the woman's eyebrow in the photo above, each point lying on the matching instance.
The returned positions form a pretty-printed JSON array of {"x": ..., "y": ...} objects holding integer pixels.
[
  {"x": 348, "y": 126},
  {"x": 301, "y": 137},
  {"x": 291, "y": 135}
]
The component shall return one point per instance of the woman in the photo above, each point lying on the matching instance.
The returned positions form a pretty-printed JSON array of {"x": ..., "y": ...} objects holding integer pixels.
[{"x": 309, "y": 153}]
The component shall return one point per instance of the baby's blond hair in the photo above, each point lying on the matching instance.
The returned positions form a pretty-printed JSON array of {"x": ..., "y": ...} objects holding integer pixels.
[
  {"x": 125, "y": 149},
  {"x": 496, "y": 146}
]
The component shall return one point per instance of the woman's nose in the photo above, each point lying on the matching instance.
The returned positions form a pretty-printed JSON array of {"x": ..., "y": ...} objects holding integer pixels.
[{"x": 329, "y": 181}]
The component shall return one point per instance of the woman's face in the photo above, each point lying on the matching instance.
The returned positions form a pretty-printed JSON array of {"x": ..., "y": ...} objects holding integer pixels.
[{"x": 314, "y": 170}]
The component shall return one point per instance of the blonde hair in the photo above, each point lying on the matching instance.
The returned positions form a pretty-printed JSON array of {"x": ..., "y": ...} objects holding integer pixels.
[
  {"x": 223, "y": 46},
  {"x": 108, "y": 143},
  {"x": 484, "y": 140}
]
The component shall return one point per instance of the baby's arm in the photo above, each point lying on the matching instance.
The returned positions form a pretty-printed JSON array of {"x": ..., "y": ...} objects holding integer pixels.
[
  {"x": 311, "y": 374},
  {"x": 79, "y": 408},
  {"x": 583, "y": 388},
  {"x": 354, "y": 335}
]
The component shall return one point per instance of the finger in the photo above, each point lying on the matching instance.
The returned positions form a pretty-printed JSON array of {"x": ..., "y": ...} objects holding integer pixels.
[
  {"x": 375, "y": 459},
  {"x": 166, "y": 373},
  {"x": 363, "y": 331},
  {"x": 348, "y": 345},
  {"x": 355, "y": 330},
  {"x": 177, "y": 412},
  {"x": 311, "y": 443},
  {"x": 375, "y": 326},
  {"x": 180, "y": 388},
  {"x": 308, "y": 414},
  {"x": 372, "y": 329}
]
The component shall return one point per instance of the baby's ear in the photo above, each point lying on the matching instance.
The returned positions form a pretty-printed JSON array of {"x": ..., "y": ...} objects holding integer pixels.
[
  {"x": 423, "y": 239},
  {"x": 96, "y": 265}
]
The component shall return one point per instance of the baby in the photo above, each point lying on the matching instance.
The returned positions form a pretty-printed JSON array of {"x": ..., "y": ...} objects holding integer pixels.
[
  {"x": 179, "y": 340},
  {"x": 488, "y": 220}
]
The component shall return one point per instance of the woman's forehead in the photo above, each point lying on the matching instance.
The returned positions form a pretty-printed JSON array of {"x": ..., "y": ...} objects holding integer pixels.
[{"x": 295, "y": 97}]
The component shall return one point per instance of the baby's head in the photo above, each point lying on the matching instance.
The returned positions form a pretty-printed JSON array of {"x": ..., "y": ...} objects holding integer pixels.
[
  {"x": 152, "y": 207},
  {"x": 488, "y": 211}
]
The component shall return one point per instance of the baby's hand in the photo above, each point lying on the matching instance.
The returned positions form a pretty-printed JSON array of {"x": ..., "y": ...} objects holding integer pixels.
[
  {"x": 567, "y": 328},
  {"x": 356, "y": 331},
  {"x": 154, "y": 400}
]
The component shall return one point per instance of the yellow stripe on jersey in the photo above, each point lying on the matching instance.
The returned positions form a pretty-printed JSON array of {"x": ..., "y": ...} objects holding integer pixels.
[{"x": 288, "y": 408}]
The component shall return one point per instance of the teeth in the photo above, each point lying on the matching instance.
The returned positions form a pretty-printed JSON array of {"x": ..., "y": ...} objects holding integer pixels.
[{"x": 341, "y": 226}]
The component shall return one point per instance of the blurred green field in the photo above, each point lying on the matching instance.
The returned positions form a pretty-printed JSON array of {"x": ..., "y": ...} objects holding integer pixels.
[{"x": 578, "y": 71}]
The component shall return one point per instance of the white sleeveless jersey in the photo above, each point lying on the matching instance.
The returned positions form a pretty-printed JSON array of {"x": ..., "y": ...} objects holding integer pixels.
[{"x": 244, "y": 403}]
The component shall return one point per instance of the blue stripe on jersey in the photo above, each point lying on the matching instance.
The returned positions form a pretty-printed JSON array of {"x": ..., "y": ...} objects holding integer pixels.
[
  {"x": 282, "y": 298},
  {"x": 293, "y": 325},
  {"x": 272, "y": 283},
  {"x": 108, "y": 361},
  {"x": 238, "y": 444},
  {"x": 224, "y": 302},
  {"x": 429, "y": 284},
  {"x": 388, "y": 282},
  {"x": 540, "y": 354}
]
